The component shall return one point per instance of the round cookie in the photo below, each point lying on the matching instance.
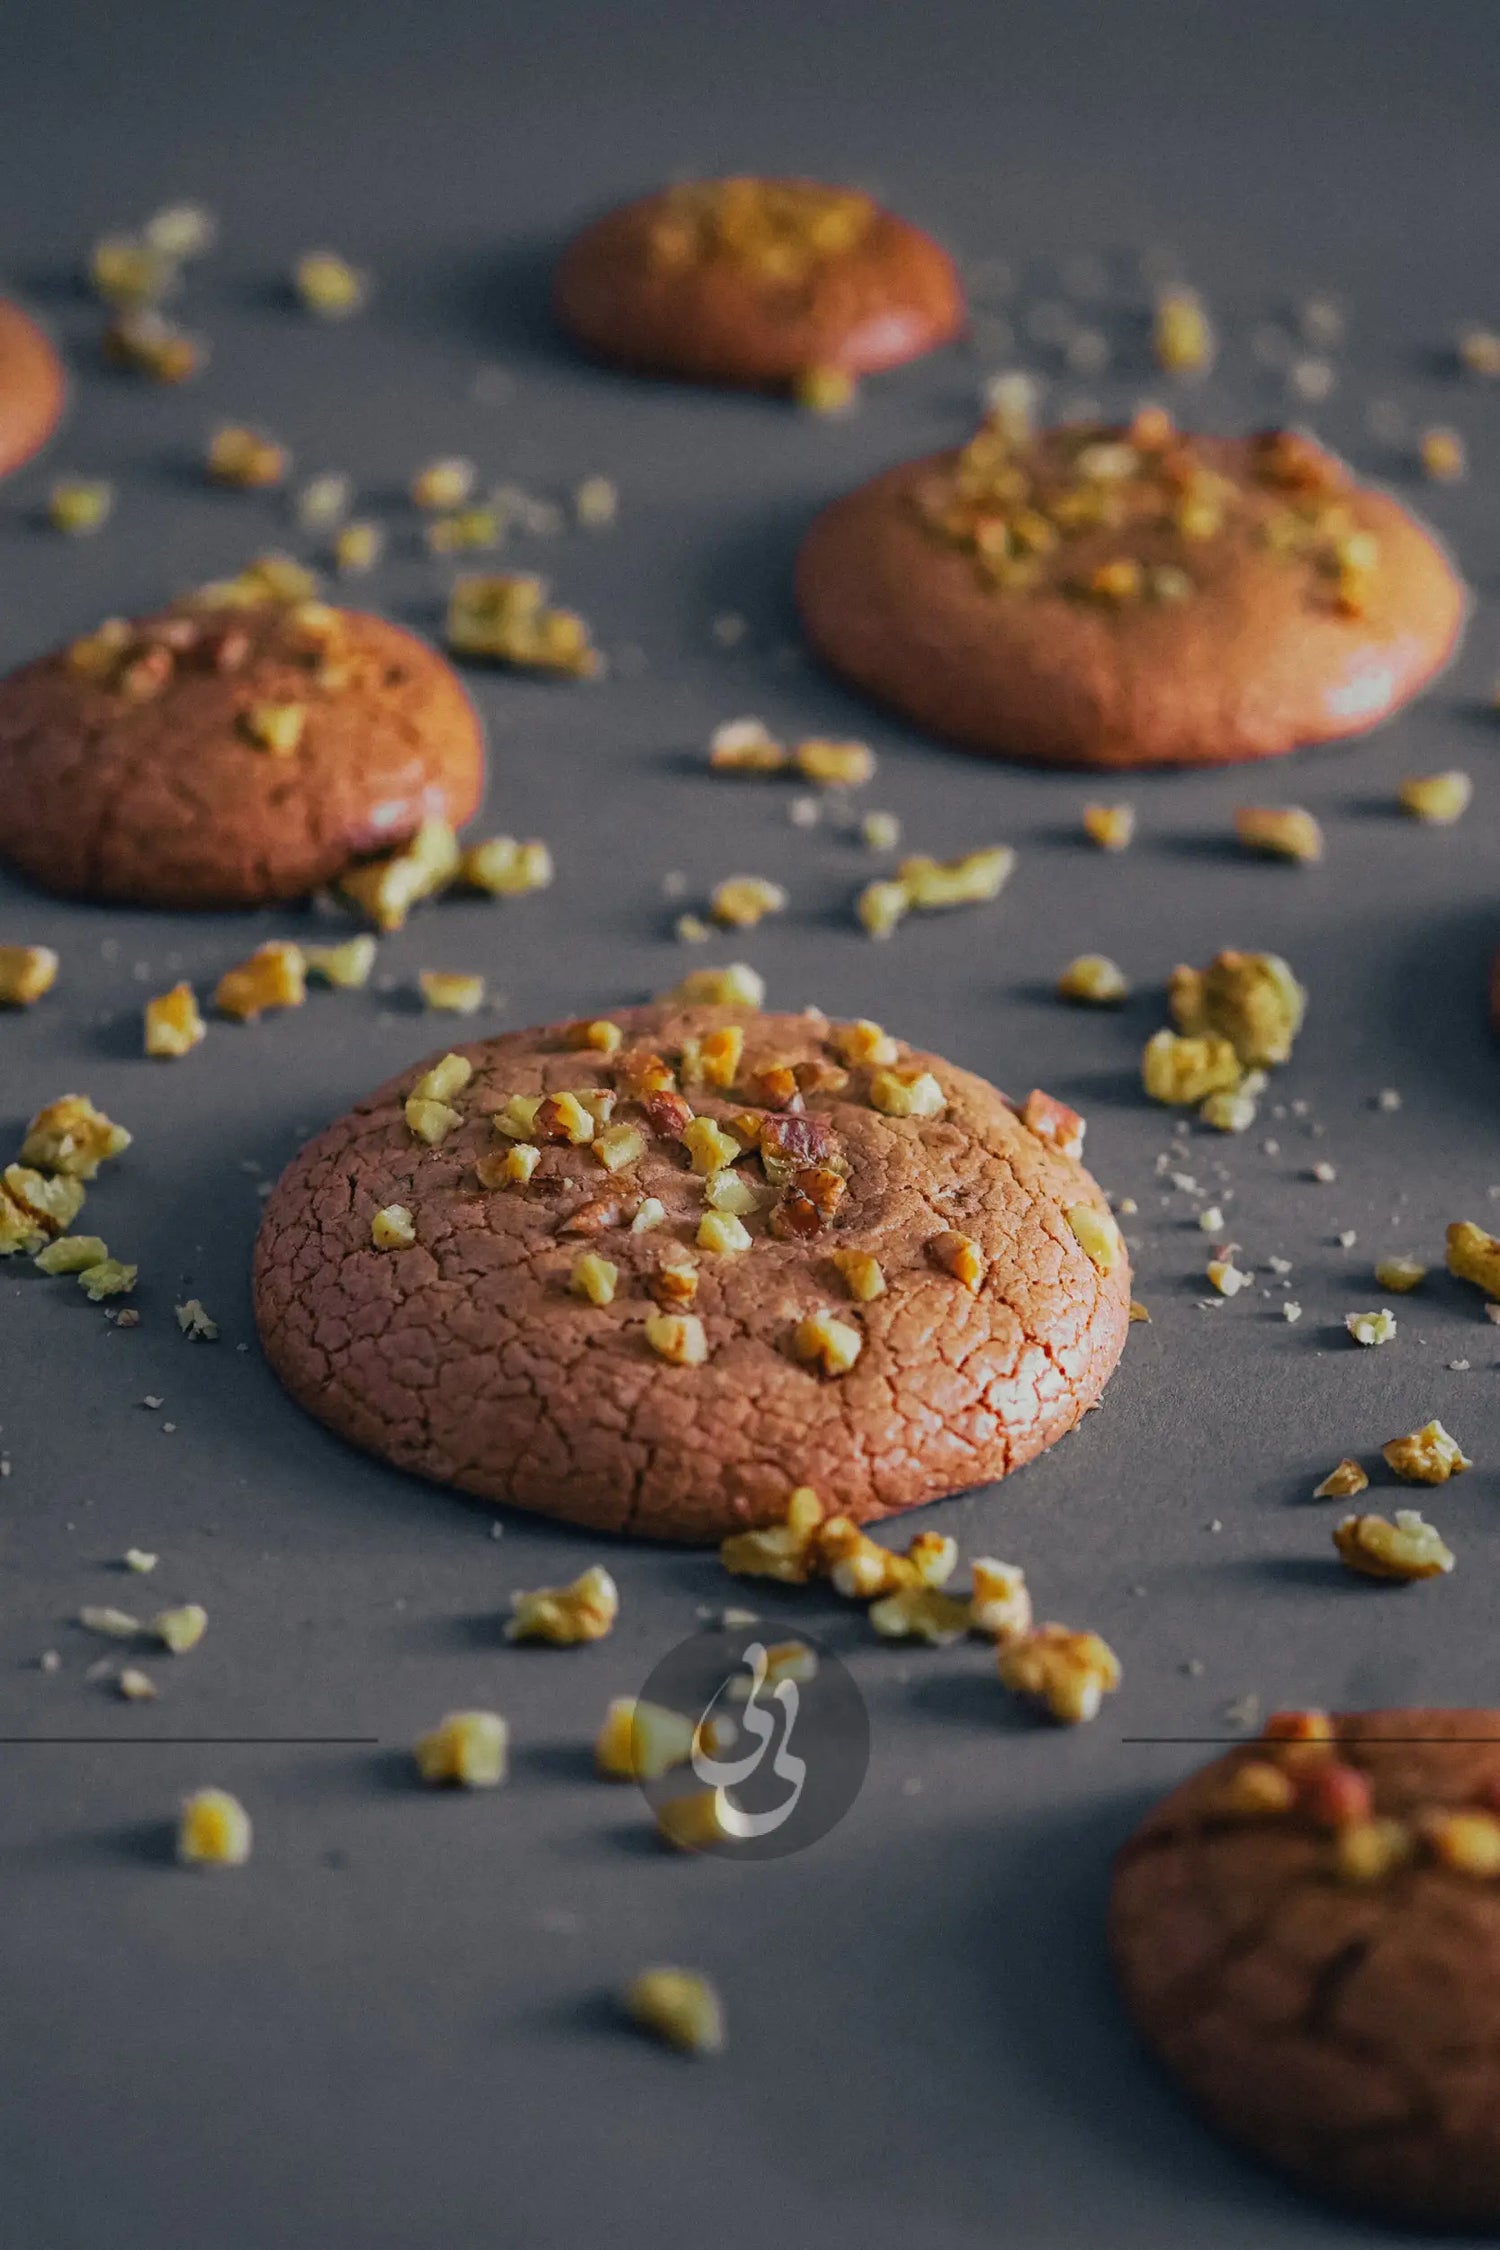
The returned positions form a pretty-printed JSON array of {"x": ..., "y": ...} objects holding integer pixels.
[
  {"x": 756, "y": 282},
  {"x": 468, "y": 1357},
  {"x": 229, "y": 754},
  {"x": 1122, "y": 597},
  {"x": 31, "y": 388},
  {"x": 1307, "y": 1932}
]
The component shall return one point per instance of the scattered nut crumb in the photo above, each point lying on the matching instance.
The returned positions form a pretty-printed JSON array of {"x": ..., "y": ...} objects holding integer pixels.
[
  {"x": 451, "y": 991},
  {"x": 1068, "y": 1672},
  {"x": 1438, "y": 799},
  {"x": 1371, "y": 1327},
  {"x": 273, "y": 977},
  {"x": 1407, "y": 1549},
  {"x": 1093, "y": 979},
  {"x": 1279, "y": 832},
  {"x": 1111, "y": 827},
  {"x": 468, "y": 1750},
  {"x": 564, "y": 1615},
  {"x": 214, "y": 1830},
  {"x": 194, "y": 1322},
  {"x": 1426, "y": 1456},
  {"x": 173, "y": 1023},
  {"x": 26, "y": 973}
]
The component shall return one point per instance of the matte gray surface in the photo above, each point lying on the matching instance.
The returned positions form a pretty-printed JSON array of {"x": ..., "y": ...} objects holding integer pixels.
[{"x": 393, "y": 2029}]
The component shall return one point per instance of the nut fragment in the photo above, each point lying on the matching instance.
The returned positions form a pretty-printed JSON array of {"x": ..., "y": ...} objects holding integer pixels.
[
  {"x": 594, "y": 1277},
  {"x": 1111, "y": 827},
  {"x": 863, "y": 1276},
  {"x": 1182, "y": 336},
  {"x": 26, "y": 973},
  {"x": 740, "y": 901},
  {"x": 447, "y": 1077},
  {"x": 1442, "y": 454},
  {"x": 863, "y": 1042},
  {"x": 785, "y": 1550},
  {"x": 1000, "y": 1606},
  {"x": 1366, "y": 1851},
  {"x": 709, "y": 1146},
  {"x": 1255, "y": 1790},
  {"x": 921, "y": 1613},
  {"x": 328, "y": 285},
  {"x": 174, "y": 1025},
  {"x": 246, "y": 458},
  {"x": 1371, "y": 1327},
  {"x": 182, "y": 1628},
  {"x": 393, "y": 1228},
  {"x": 722, "y": 1233},
  {"x": 641, "y": 1741},
  {"x": 386, "y": 889},
  {"x": 1250, "y": 999},
  {"x": 346, "y": 966},
  {"x": 1279, "y": 832},
  {"x": 194, "y": 1321},
  {"x": 679, "y": 2006},
  {"x": 505, "y": 619},
  {"x": 275, "y": 976},
  {"x": 738, "y": 985},
  {"x": 1439, "y": 799},
  {"x": 277, "y": 727},
  {"x": 1400, "y": 1275},
  {"x": 971, "y": 880},
  {"x": 213, "y": 1830},
  {"x": 831, "y": 1345},
  {"x": 834, "y": 765},
  {"x": 678, "y": 1338},
  {"x": 1426, "y": 1456},
  {"x": 1094, "y": 980},
  {"x": 825, "y": 390},
  {"x": 504, "y": 867},
  {"x": 1407, "y": 1549},
  {"x": 107, "y": 1278},
  {"x": 72, "y": 1253},
  {"x": 563, "y": 1615},
  {"x": 1473, "y": 1255},
  {"x": 451, "y": 991},
  {"x": 1182, "y": 1070},
  {"x": 1096, "y": 1234},
  {"x": 1053, "y": 1122},
  {"x": 959, "y": 1255},
  {"x": 1068, "y": 1672},
  {"x": 619, "y": 1146},
  {"x": 1343, "y": 1482},
  {"x": 745, "y": 746},
  {"x": 1468, "y": 1842},
  {"x": 73, "y": 1137},
  {"x": 910, "y": 1094},
  {"x": 469, "y": 1750}
]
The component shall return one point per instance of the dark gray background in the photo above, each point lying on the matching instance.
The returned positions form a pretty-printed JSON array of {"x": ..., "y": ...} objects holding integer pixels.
[{"x": 392, "y": 2032}]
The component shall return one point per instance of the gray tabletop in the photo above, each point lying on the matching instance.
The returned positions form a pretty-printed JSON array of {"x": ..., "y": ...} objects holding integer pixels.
[{"x": 393, "y": 2031}]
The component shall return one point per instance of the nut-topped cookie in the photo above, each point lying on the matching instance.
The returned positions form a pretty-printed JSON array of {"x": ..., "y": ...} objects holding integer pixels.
[
  {"x": 1128, "y": 596},
  {"x": 235, "y": 749},
  {"x": 766, "y": 283},
  {"x": 31, "y": 388},
  {"x": 654, "y": 1271},
  {"x": 1307, "y": 1932}
]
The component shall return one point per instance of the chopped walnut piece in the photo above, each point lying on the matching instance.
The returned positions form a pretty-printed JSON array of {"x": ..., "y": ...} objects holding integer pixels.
[
  {"x": 182, "y": 1628},
  {"x": 786, "y": 1551},
  {"x": 834, "y": 765},
  {"x": 595, "y": 1278},
  {"x": 675, "y": 1281},
  {"x": 1439, "y": 799},
  {"x": 246, "y": 458},
  {"x": 715, "y": 1058},
  {"x": 1182, "y": 336},
  {"x": 505, "y": 620},
  {"x": 825, "y": 390},
  {"x": 1442, "y": 454},
  {"x": 959, "y": 1255},
  {"x": 1000, "y": 1606},
  {"x": 213, "y": 1830},
  {"x": 746, "y": 746},
  {"x": 72, "y": 1137},
  {"x": 740, "y": 901},
  {"x": 619, "y": 1146},
  {"x": 1109, "y": 826},
  {"x": 1254, "y": 1790},
  {"x": 1426, "y": 1456},
  {"x": 149, "y": 345},
  {"x": 1093, "y": 979},
  {"x": 1343, "y": 1482},
  {"x": 1251, "y": 999},
  {"x": 52, "y": 1200},
  {"x": 1226, "y": 1277},
  {"x": 70, "y": 1253},
  {"x": 136, "y": 1686},
  {"x": 273, "y": 977},
  {"x": 174, "y": 1025},
  {"x": 277, "y": 727},
  {"x": 880, "y": 906},
  {"x": 583, "y": 1611},
  {"x": 1473, "y": 1255},
  {"x": 1228, "y": 1112},
  {"x": 1053, "y": 1122},
  {"x": 80, "y": 505},
  {"x": 641, "y": 1741},
  {"x": 563, "y": 1117},
  {"x": 729, "y": 1191},
  {"x": 445, "y": 483},
  {"x": 469, "y": 1750},
  {"x": 831, "y": 1345},
  {"x": 738, "y": 985},
  {"x": 599, "y": 1036},
  {"x": 1069, "y": 1672},
  {"x": 722, "y": 1233},
  {"x": 194, "y": 1321},
  {"x": 1406, "y": 1549},
  {"x": 709, "y": 1146},
  {"x": 863, "y": 1042},
  {"x": 113, "y": 1624},
  {"x": 1400, "y": 1275},
  {"x": 26, "y": 973},
  {"x": 451, "y": 991},
  {"x": 393, "y": 1228},
  {"x": 357, "y": 547},
  {"x": 385, "y": 890},
  {"x": 517, "y": 1120},
  {"x": 863, "y": 1276},
  {"x": 978, "y": 876},
  {"x": 430, "y": 1121},
  {"x": 1181, "y": 1071},
  {"x": 502, "y": 867},
  {"x": 346, "y": 966},
  {"x": 1371, "y": 1327},
  {"x": 1279, "y": 832},
  {"x": 910, "y": 1094},
  {"x": 694, "y": 1822},
  {"x": 1366, "y": 1851},
  {"x": 1478, "y": 351},
  {"x": 921, "y": 1613},
  {"x": 447, "y": 1077},
  {"x": 678, "y": 1338},
  {"x": 1096, "y": 1235},
  {"x": 328, "y": 285},
  {"x": 1468, "y": 1842}
]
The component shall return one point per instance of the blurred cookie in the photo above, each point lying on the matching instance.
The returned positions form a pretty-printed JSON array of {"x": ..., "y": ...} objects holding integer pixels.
[
  {"x": 1307, "y": 1932},
  {"x": 31, "y": 388},
  {"x": 230, "y": 753},
  {"x": 1120, "y": 597},
  {"x": 756, "y": 282},
  {"x": 653, "y": 1273}
]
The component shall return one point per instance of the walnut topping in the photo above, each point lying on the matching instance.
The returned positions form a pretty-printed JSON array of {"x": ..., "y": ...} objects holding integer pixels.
[
  {"x": 505, "y": 619},
  {"x": 26, "y": 972},
  {"x": 72, "y": 1137},
  {"x": 715, "y": 1058},
  {"x": 1228, "y": 1112},
  {"x": 1254, "y": 1789},
  {"x": 502, "y": 867},
  {"x": 782, "y": 230},
  {"x": 1109, "y": 826},
  {"x": 722, "y": 1233},
  {"x": 386, "y": 889},
  {"x": 1000, "y": 1606},
  {"x": 729, "y": 1191},
  {"x": 1334, "y": 1795},
  {"x": 1279, "y": 832},
  {"x": 1251, "y": 999},
  {"x": 709, "y": 1146},
  {"x": 1439, "y": 799},
  {"x": 328, "y": 285},
  {"x": 1053, "y": 1122},
  {"x": 346, "y": 966},
  {"x": 357, "y": 547},
  {"x": 678, "y": 1338},
  {"x": 1182, "y": 1070},
  {"x": 909, "y": 1094},
  {"x": 445, "y": 483},
  {"x": 880, "y": 906},
  {"x": 513, "y": 1169},
  {"x": 563, "y": 1615},
  {"x": 1426, "y": 1456},
  {"x": 517, "y": 1120},
  {"x": 173, "y": 1023},
  {"x": 675, "y": 1281},
  {"x": 1406, "y": 1549},
  {"x": 978, "y": 876},
  {"x": 831, "y": 1345},
  {"x": 1366, "y": 1851},
  {"x": 740, "y": 901},
  {"x": 469, "y": 1750},
  {"x": 277, "y": 727},
  {"x": 776, "y": 1087},
  {"x": 1343, "y": 1482},
  {"x": 393, "y": 1228},
  {"x": 54, "y": 1202},
  {"x": 863, "y": 1277},
  {"x": 213, "y": 1830},
  {"x": 961, "y": 1256},
  {"x": 150, "y": 345},
  {"x": 246, "y": 458},
  {"x": 1473, "y": 1255},
  {"x": 1467, "y": 1842},
  {"x": 863, "y": 1042},
  {"x": 1096, "y": 1234},
  {"x": 595, "y": 1278},
  {"x": 599, "y": 1036},
  {"x": 921, "y": 1613},
  {"x": 785, "y": 1551},
  {"x": 641, "y": 1741},
  {"x": 619, "y": 1146},
  {"x": 1068, "y": 1672},
  {"x": 430, "y": 1121}
]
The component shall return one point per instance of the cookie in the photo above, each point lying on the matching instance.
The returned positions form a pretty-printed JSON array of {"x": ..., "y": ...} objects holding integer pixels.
[
  {"x": 756, "y": 282},
  {"x": 31, "y": 388},
  {"x": 866, "y": 1272},
  {"x": 1307, "y": 1932},
  {"x": 229, "y": 753},
  {"x": 1121, "y": 597}
]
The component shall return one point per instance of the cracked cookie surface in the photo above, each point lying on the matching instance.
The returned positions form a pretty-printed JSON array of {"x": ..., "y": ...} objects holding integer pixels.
[
  {"x": 480, "y": 1356},
  {"x": 229, "y": 755},
  {"x": 1320, "y": 1967},
  {"x": 755, "y": 282},
  {"x": 32, "y": 388},
  {"x": 1119, "y": 597}
]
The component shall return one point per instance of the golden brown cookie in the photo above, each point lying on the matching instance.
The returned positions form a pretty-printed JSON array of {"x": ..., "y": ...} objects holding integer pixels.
[
  {"x": 756, "y": 282},
  {"x": 229, "y": 752},
  {"x": 1308, "y": 1934},
  {"x": 31, "y": 388},
  {"x": 1120, "y": 597},
  {"x": 651, "y": 1274}
]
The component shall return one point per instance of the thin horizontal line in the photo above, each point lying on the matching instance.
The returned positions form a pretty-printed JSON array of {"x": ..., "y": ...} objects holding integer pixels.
[
  {"x": 1281, "y": 1741},
  {"x": 209, "y": 1741}
]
